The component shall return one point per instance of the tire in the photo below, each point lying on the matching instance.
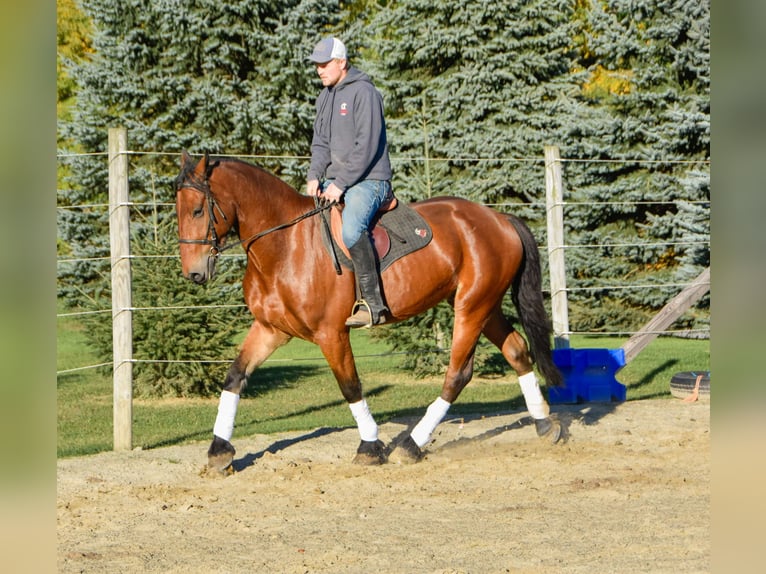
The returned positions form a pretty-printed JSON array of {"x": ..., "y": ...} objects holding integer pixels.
[{"x": 682, "y": 384}]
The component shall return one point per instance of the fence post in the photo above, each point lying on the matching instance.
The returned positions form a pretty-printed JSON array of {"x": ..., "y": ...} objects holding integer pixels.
[
  {"x": 122, "y": 327},
  {"x": 555, "y": 218}
]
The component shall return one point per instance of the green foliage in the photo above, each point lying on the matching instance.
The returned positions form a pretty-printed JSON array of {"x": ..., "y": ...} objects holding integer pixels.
[
  {"x": 652, "y": 61},
  {"x": 187, "y": 347},
  {"x": 468, "y": 85},
  {"x": 205, "y": 76},
  {"x": 73, "y": 44},
  {"x": 184, "y": 335},
  {"x": 475, "y": 80},
  {"x": 425, "y": 339}
]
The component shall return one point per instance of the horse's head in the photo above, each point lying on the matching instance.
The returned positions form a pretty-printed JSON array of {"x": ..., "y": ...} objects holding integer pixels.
[{"x": 202, "y": 224}]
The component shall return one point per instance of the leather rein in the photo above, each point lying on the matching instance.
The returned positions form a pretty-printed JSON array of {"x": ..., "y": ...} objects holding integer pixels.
[{"x": 212, "y": 239}]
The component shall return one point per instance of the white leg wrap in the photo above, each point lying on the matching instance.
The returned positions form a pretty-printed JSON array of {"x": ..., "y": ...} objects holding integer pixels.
[
  {"x": 227, "y": 410},
  {"x": 436, "y": 411},
  {"x": 368, "y": 428},
  {"x": 536, "y": 404}
]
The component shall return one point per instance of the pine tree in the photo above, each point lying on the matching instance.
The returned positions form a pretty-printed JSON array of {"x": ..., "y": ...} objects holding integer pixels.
[
  {"x": 649, "y": 66},
  {"x": 474, "y": 80},
  {"x": 475, "y": 88},
  {"x": 470, "y": 85},
  {"x": 204, "y": 76}
]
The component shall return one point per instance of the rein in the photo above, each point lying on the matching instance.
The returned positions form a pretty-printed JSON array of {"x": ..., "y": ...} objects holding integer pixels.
[
  {"x": 247, "y": 242},
  {"x": 215, "y": 246}
]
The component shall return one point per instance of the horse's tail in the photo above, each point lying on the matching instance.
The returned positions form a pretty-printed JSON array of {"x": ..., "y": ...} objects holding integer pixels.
[{"x": 527, "y": 296}]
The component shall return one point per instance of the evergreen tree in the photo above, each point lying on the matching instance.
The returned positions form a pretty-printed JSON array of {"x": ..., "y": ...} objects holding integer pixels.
[
  {"x": 205, "y": 76},
  {"x": 473, "y": 85},
  {"x": 184, "y": 335},
  {"x": 649, "y": 66},
  {"x": 474, "y": 80},
  {"x": 475, "y": 88},
  {"x": 202, "y": 75}
]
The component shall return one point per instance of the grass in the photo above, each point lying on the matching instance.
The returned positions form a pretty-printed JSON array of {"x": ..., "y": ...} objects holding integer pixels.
[{"x": 295, "y": 390}]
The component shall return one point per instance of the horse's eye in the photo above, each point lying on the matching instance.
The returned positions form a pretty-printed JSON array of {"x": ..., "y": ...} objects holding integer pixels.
[{"x": 197, "y": 212}]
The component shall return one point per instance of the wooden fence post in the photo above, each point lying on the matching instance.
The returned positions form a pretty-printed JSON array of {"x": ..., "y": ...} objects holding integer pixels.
[
  {"x": 555, "y": 217},
  {"x": 122, "y": 326}
]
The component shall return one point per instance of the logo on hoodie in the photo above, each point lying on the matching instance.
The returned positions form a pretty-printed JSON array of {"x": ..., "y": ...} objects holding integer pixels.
[{"x": 344, "y": 109}]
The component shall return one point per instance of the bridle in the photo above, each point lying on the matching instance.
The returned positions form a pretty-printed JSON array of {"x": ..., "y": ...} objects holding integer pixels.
[{"x": 212, "y": 239}]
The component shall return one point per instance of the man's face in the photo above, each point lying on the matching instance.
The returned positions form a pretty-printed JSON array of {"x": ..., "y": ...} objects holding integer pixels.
[{"x": 331, "y": 72}]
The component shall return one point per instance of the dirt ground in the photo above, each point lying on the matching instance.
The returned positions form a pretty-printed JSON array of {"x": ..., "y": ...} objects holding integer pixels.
[{"x": 629, "y": 491}]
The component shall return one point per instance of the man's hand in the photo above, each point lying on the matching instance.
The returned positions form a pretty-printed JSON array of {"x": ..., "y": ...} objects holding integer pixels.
[{"x": 333, "y": 193}]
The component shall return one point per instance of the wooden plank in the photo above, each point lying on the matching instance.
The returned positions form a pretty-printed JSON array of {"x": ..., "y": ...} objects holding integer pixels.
[
  {"x": 667, "y": 315},
  {"x": 122, "y": 320}
]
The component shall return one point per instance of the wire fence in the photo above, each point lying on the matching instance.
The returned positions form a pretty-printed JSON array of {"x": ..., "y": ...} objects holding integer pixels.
[{"x": 102, "y": 262}]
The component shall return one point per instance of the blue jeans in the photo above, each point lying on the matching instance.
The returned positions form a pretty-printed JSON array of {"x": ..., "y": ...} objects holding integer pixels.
[{"x": 362, "y": 202}]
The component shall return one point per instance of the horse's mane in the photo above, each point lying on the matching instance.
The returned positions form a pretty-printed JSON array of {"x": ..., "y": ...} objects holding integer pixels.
[
  {"x": 188, "y": 169},
  {"x": 216, "y": 160}
]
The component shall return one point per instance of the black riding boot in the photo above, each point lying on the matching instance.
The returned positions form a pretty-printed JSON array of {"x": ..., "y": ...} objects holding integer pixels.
[{"x": 370, "y": 309}]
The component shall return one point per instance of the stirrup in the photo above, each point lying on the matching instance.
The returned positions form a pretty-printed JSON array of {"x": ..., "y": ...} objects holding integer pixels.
[{"x": 362, "y": 316}]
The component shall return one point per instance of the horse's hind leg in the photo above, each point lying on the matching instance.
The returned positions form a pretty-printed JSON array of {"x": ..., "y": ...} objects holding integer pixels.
[
  {"x": 459, "y": 373},
  {"x": 260, "y": 342},
  {"x": 514, "y": 348}
]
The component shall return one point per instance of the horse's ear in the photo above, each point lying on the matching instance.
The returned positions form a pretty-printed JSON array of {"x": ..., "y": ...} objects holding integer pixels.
[
  {"x": 185, "y": 158},
  {"x": 200, "y": 168},
  {"x": 208, "y": 167}
]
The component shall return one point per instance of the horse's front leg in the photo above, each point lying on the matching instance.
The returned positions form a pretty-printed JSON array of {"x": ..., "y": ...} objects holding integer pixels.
[
  {"x": 260, "y": 343},
  {"x": 340, "y": 357}
]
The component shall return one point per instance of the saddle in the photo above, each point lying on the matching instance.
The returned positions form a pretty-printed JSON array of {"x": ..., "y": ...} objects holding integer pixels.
[{"x": 397, "y": 230}]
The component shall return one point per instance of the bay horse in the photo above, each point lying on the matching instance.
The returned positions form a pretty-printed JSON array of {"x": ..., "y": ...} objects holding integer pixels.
[{"x": 292, "y": 289}]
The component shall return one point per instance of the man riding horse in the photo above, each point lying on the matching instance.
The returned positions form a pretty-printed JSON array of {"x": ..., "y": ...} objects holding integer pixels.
[{"x": 350, "y": 164}]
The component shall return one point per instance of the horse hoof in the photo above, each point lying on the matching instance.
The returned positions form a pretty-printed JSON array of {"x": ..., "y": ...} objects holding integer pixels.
[
  {"x": 220, "y": 455},
  {"x": 406, "y": 452},
  {"x": 371, "y": 453},
  {"x": 215, "y": 472},
  {"x": 548, "y": 428}
]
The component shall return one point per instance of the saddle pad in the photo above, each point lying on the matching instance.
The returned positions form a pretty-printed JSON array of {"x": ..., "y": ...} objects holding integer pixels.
[{"x": 406, "y": 229}]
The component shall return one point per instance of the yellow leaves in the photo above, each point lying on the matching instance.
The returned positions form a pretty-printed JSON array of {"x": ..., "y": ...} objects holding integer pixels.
[
  {"x": 603, "y": 83},
  {"x": 665, "y": 261},
  {"x": 72, "y": 42},
  {"x": 73, "y": 30}
]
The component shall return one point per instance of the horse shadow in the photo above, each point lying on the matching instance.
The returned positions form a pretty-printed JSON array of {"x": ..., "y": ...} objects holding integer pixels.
[
  {"x": 587, "y": 414},
  {"x": 250, "y": 458}
]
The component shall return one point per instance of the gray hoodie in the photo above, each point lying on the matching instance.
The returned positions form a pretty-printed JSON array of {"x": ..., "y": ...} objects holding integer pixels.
[{"x": 349, "y": 143}]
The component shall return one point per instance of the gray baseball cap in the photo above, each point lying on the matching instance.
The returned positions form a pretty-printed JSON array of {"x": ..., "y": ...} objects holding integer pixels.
[{"x": 328, "y": 49}]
